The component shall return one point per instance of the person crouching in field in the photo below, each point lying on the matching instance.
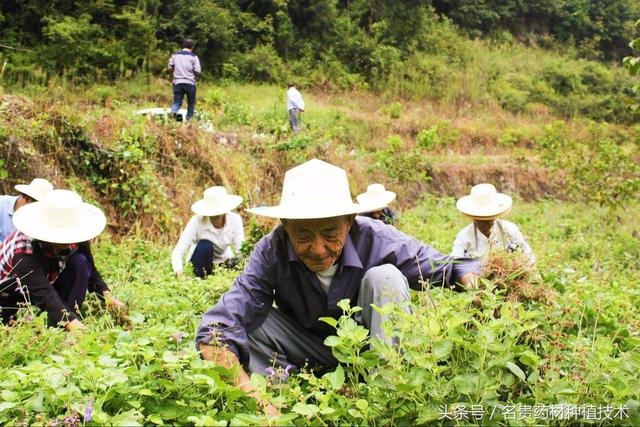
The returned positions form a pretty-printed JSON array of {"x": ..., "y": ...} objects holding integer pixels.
[
  {"x": 47, "y": 262},
  {"x": 212, "y": 230},
  {"x": 484, "y": 206},
  {"x": 320, "y": 254},
  {"x": 379, "y": 198},
  {"x": 27, "y": 193}
]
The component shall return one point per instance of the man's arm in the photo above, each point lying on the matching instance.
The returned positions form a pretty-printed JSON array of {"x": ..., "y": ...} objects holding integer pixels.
[
  {"x": 223, "y": 357},
  {"x": 196, "y": 66},
  {"x": 419, "y": 261},
  {"x": 244, "y": 307},
  {"x": 34, "y": 283},
  {"x": 172, "y": 64},
  {"x": 188, "y": 237}
]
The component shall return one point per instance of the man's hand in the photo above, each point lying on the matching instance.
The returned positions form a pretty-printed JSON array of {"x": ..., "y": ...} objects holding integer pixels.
[
  {"x": 178, "y": 274},
  {"x": 75, "y": 325},
  {"x": 470, "y": 281},
  {"x": 113, "y": 302},
  {"x": 223, "y": 357}
]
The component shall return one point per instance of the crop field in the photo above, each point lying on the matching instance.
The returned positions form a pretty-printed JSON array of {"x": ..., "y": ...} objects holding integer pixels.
[{"x": 569, "y": 356}]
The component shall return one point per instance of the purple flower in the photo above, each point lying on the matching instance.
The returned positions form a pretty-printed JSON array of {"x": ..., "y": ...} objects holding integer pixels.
[
  {"x": 88, "y": 410},
  {"x": 71, "y": 421},
  {"x": 177, "y": 337},
  {"x": 271, "y": 373},
  {"x": 20, "y": 289},
  {"x": 287, "y": 372}
]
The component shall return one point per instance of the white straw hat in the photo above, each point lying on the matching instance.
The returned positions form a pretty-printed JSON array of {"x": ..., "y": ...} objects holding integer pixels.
[
  {"x": 314, "y": 189},
  {"x": 36, "y": 189},
  {"x": 60, "y": 217},
  {"x": 376, "y": 196},
  {"x": 216, "y": 201},
  {"x": 484, "y": 202}
]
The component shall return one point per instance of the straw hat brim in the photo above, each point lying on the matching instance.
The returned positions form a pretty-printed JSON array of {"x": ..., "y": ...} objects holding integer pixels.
[
  {"x": 201, "y": 207},
  {"x": 34, "y": 221},
  {"x": 310, "y": 211},
  {"x": 379, "y": 202},
  {"x": 28, "y": 190},
  {"x": 501, "y": 204}
]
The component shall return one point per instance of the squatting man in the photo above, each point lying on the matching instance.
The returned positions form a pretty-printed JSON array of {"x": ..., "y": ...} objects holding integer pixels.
[{"x": 320, "y": 253}]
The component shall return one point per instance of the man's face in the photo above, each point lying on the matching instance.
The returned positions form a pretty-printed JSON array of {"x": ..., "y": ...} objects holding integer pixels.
[
  {"x": 318, "y": 242},
  {"x": 484, "y": 226}
]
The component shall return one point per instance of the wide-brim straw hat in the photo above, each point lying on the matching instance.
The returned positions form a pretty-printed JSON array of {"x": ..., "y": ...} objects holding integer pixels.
[
  {"x": 36, "y": 189},
  {"x": 60, "y": 217},
  {"x": 484, "y": 203},
  {"x": 216, "y": 201},
  {"x": 314, "y": 189},
  {"x": 376, "y": 196}
]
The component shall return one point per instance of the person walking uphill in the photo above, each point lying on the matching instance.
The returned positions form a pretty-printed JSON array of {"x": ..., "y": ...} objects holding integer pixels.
[
  {"x": 47, "y": 261},
  {"x": 185, "y": 67},
  {"x": 295, "y": 106},
  {"x": 320, "y": 254}
]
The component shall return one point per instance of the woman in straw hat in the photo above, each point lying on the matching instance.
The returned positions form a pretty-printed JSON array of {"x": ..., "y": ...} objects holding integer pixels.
[
  {"x": 212, "y": 230},
  {"x": 46, "y": 262},
  {"x": 378, "y": 198},
  {"x": 28, "y": 193},
  {"x": 484, "y": 206}
]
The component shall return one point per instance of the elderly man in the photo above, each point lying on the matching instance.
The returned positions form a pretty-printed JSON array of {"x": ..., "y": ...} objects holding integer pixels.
[
  {"x": 47, "y": 262},
  {"x": 28, "y": 193},
  {"x": 487, "y": 232},
  {"x": 320, "y": 254}
]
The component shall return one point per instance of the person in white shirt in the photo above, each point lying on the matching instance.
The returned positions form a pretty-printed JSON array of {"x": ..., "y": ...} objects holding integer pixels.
[
  {"x": 213, "y": 230},
  {"x": 295, "y": 106},
  {"x": 485, "y": 205}
]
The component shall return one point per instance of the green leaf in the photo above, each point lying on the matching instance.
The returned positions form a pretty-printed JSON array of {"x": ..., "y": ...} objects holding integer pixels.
[
  {"x": 442, "y": 349},
  {"x": 170, "y": 357},
  {"x": 465, "y": 384},
  {"x": 156, "y": 419},
  {"x": 336, "y": 378},
  {"x": 305, "y": 409},
  {"x": 515, "y": 369},
  {"x": 329, "y": 320},
  {"x": 7, "y": 405},
  {"x": 332, "y": 341}
]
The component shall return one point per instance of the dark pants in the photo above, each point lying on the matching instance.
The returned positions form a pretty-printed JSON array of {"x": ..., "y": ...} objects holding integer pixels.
[
  {"x": 294, "y": 119},
  {"x": 202, "y": 259},
  {"x": 71, "y": 285},
  {"x": 179, "y": 91},
  {"x": 281, "y": 341}
]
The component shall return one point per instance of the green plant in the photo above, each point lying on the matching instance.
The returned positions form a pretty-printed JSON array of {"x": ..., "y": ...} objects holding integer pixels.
[{"x": 393, "y": 110}]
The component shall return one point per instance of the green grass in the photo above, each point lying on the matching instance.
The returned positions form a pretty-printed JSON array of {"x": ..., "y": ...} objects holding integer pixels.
[{"x": 581, "y": 350}]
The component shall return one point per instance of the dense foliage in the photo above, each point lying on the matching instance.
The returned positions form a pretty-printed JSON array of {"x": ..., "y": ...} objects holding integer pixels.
[
  {"x": 579, "y": 348},
  {"x": 345, "y": 41}
]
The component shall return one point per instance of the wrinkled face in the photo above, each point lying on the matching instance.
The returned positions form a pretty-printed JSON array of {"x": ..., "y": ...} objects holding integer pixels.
[
  {"x": 318, "y": 242},
  {"x": 484, "y": 226}
]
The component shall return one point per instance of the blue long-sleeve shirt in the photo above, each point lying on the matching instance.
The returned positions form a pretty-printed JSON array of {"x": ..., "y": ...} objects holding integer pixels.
[
  {"x": 275, "y": 272},
  {"x": 7, "y": 203}
]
